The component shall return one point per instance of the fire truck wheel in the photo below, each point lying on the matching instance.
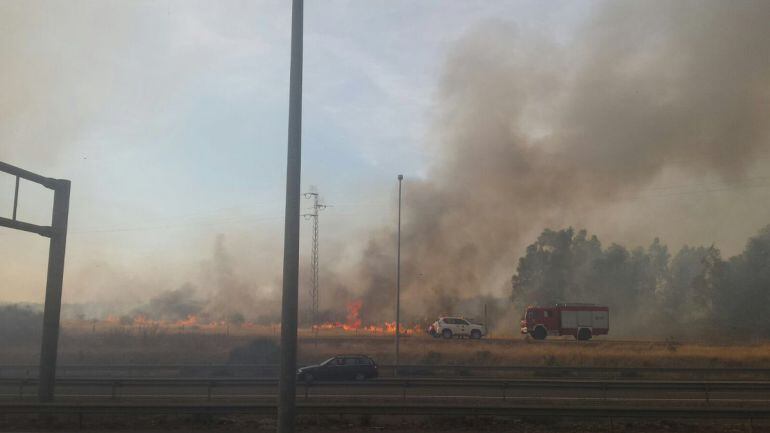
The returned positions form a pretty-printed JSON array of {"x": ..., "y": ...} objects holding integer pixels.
[
  {"x": 447, "y": 333},
  {"x": 539, "y": 333},
  {"x": 584, "y": 334}
]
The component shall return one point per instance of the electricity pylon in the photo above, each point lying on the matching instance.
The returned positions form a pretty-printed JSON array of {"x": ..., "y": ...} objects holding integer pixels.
[{"x": 314, "y": 257}]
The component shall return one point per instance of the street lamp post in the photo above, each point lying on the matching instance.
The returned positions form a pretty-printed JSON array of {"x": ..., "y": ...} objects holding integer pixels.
[{"x": 398, "y": 274}]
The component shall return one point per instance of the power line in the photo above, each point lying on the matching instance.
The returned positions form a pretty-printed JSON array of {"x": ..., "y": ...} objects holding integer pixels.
[
  {"x": 747, "y": 184},
  {"x": 194, "y": 218},
  {"x": 709, "y": 185},
  {"x": 243, "y": 219}
]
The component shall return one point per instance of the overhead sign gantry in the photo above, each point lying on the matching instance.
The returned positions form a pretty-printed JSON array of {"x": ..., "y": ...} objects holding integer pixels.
[{"x": 57, "y": 233}]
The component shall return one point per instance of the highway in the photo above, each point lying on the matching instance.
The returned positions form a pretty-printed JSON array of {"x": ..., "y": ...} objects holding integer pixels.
[
  {"x": 365, "y": 408},
  {"x": 474, "y": 391},
  {"x": 220, "y": 370},
  {"x": 91, "y": 399},
  {"x": 419, "y": 390},
  {"x": 416, "y": 384}
]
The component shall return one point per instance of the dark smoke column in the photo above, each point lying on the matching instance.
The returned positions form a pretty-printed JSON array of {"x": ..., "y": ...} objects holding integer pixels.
[{"x": 286, "y": 392}]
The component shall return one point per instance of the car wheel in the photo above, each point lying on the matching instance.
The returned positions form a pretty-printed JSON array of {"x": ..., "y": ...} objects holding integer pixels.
[
  {"x": 476, "y": 334},
  {"x": 360, "y": 376},
  {"x": 446, "y": 333}
]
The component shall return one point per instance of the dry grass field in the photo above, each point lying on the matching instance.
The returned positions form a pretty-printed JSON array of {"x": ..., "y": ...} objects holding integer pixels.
[{"x": 125, "y": 345}]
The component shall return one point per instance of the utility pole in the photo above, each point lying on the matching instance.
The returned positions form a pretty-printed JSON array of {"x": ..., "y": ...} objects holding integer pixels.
[
  {"x": 398, "y": 274},
  {"x": 314, "y": 258},
  {"x": 287, "y": 380}
]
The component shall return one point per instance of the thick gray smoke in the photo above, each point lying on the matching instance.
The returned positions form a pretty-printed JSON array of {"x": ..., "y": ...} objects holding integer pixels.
[
  {"x": 232, "y": 292},
  {"x": 222, "y": 291},
  {"x": 529, "y": 132},
  {"x": 173, "y": 305}
]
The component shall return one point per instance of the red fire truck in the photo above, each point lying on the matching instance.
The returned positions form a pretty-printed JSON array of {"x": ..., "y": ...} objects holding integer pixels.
[{"x": 582, "y": 321}]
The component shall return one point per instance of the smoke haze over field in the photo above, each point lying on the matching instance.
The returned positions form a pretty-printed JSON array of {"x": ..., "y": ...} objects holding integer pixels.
[
  {"x": 530, "y": 133},
  {"x": 634, "y": 120}
]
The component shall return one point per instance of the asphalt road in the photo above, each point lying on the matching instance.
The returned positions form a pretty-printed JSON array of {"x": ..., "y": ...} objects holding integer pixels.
[{"x": 427, "y": 391}]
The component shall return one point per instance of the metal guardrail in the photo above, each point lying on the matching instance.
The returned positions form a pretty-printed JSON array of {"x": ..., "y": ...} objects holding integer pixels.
[
  {"x": 580, "y": 370},
  {"x": 269, "y": 409},
  {"x": 503, "y": 386}
]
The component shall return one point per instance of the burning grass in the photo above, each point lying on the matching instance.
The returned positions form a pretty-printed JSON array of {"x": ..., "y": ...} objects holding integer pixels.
[
  {"x": 139, "y": 339},
  {"x": 203, "y": 324},
  {"x": 353, "y": 324}
]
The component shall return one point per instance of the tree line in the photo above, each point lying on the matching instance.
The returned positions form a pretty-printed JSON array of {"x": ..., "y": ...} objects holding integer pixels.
[{"x": 650, "y": 292}]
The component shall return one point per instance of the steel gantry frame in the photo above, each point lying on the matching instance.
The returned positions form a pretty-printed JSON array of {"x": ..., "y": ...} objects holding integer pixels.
[{"x": 57, "y": 233}]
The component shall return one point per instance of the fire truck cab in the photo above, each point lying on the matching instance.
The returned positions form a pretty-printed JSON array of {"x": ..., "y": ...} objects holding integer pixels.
[{"x": 582, "y": 321}]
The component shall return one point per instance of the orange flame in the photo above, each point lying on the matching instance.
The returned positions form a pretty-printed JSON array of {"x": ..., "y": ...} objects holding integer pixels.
[
  {"x": 191, "y": 320},
  {"x": 353, "y": 323},
  {"x": 142, "y": 320},
  {"x": 353, "y": 319}
]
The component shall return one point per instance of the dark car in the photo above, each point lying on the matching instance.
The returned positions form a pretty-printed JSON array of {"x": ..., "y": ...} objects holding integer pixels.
[{"x": 341, "y": 367}]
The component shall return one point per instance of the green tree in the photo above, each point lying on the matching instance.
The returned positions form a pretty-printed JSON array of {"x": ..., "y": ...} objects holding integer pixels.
[
  {"x": 647, "y": 287},
  {"x": 678, "y": 300},
  {"x": 543, "y": 273}
]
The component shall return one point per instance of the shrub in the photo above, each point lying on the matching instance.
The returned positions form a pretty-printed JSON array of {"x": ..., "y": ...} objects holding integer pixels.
[
  {"x": 19, "y": 324},
  {"x": 262, "y": 350}
]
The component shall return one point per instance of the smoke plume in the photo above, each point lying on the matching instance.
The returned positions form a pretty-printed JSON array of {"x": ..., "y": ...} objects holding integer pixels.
[
  {"x": 529, "y": 132},
  {"x": 232, "y": 293},
  {"x": 173, "y": 305}
]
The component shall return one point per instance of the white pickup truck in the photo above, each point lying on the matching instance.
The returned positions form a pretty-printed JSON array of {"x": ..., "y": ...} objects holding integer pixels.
[{"x": 449, "y": 327}]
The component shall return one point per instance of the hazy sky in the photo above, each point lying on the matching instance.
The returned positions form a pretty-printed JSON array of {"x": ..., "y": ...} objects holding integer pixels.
[{"x": 170, "y": 119}]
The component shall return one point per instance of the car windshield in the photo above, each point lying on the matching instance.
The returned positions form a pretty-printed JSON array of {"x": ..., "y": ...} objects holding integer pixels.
[{"x": 328, "y": 361}]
